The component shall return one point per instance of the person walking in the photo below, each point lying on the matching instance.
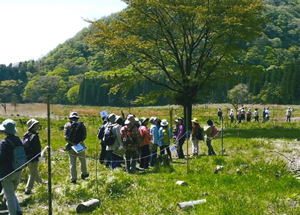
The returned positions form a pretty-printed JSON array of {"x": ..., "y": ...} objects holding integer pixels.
[
  {"x": 211, "y": 132},
  {"x": 74, "y": 134},
  {"x": 196, "y": 136},
  {"x": 180, "y": 138},
  {"x": 165, "y": 135},
  {"x": 144, "y": 145},
  {"x": 33, "y": 153},
  {"x": 288, "y": 114},
  {"x": 10, "y": 178}
]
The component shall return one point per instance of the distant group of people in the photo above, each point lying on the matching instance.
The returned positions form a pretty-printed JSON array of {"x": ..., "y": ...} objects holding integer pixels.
[{"x": 243, "y": 115}]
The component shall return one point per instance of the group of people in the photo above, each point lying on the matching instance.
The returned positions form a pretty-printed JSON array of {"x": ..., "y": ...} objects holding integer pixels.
[
  {"x": 242, "y": 114},
  {"x": 132, "y": 139},
  {"x": 10, "y": 177},
  {"x": 142, "y": 140}
]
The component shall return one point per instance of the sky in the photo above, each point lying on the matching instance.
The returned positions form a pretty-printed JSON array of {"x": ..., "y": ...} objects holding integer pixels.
[{"x": 30, "y": 29}]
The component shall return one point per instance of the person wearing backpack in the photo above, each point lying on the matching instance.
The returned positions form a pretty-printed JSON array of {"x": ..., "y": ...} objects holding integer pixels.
[
  {"x": 33, "y": 152},
  {"x": 180, "y": 138},
  {"x": 196, "y": 136},
  {"x": 131, "y": 138},
  {"x": 144, "y": 145},
  {"x": 264, "y": 115},
  {"x": 100, "y": 134},
  {"x": 211, "y": 132},
  {"x": 165, "y": 136},
  {"x": 10, "y": 177},
  {"x": 75, "y": 133}
]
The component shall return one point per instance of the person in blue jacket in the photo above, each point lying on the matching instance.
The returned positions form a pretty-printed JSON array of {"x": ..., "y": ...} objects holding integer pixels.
[{"x": 165, "y": 136}]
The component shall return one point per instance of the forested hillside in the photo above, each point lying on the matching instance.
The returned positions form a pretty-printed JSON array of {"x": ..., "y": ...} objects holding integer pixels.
[{"x": 77, "y": 73}]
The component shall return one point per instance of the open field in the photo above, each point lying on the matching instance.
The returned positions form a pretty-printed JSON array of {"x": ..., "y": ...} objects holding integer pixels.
[{"x": 261, "y": 152}]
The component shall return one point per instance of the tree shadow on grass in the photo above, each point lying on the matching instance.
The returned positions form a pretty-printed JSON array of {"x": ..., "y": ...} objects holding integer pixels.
[{"x": 272, "y": 133}]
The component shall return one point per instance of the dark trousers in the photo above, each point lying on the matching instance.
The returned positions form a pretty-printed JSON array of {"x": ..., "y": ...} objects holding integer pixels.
[
  {"x": 167, "y": 148},
  {"x": 115, "y": 160},
  {"x": 145, "y": 156},
  {"x": 256, "y": 118},
  {"x": 179, "y": 148},
  {"x": 210, "y": 148},
  {"x": 104, "y": 156},
  {"x": 153, "y": 155}
]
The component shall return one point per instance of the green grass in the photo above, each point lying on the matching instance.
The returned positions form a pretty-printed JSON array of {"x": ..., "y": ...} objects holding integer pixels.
[{"x": 264, "y": 184}]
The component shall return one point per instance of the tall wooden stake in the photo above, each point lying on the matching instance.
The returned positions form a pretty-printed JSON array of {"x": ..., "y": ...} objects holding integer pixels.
[
  {"x": 222, "y": 136},
  {"x": 49, "y": 158}
]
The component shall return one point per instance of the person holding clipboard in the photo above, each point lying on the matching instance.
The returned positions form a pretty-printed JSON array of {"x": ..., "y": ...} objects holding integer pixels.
[{"x": 75, "y": 134}]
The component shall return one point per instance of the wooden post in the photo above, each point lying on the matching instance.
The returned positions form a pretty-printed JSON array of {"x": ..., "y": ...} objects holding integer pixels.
[
  {"x": 222, "y": 137},
  {"x": 49, "y": 159},
  {"x": 187, "y": 142}
]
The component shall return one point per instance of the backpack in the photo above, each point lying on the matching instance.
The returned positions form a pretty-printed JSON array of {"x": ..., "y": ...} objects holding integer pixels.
[
  {"x": 165, "y": 136},
  {"x": 100, "y": 132},
  {"x": 248, "y": 113},
  {"x": 199, "y": 135},
  {"x": 214, "y": 131},
  {"x": 76, "y": 132},
  {"x": 19, "y": 157},
  {"x": 108, "y": 137},
  {"x": 26, "y": 144}
]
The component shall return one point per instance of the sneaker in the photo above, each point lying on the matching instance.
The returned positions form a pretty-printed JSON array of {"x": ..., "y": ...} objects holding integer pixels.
[
  {"x": 84, "y": 176},
  {"x": 73, "y": 182},
  {"x": 28, "y": 192}
]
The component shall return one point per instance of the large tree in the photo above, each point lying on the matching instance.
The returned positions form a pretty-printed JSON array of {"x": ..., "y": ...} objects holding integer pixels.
[{"x": 180, "y": 44}]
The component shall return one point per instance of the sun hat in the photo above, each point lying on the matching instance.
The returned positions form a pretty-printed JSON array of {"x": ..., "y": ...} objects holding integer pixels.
[
  {"x": 180, "y": 118},
  {"x": 209, "y": 122},
  {"x": 130, "y": 120},
  {"x": 31, "y": 123},
  {"x": 143, "y": 119},
  {"x": 8, "y": 126},
  {"x": 176, "y": 120},
  {"x": 112, "y": 117},
  {"x": 152, "y": 119},
  {"x": 195, "y": 120},
  {"x": 74, "y": 115},
  {"x": 164, "y": 122}
]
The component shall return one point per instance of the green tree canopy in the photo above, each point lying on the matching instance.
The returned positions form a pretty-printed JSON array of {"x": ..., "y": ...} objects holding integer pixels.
[{"x": 180, "y": 44}]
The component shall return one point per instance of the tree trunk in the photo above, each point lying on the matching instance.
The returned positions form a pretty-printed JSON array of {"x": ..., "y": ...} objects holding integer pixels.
[{"x": 188, "y": 115}]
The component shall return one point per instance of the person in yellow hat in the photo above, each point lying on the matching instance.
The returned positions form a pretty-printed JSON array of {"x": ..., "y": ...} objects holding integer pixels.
[{"x": 196, "y": 136}]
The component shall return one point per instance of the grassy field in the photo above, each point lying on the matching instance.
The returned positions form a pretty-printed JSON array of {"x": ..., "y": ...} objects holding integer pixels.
[{"x": 256, "y": 177}]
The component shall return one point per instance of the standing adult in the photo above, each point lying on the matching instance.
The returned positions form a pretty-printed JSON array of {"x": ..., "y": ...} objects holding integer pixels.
[
  {"x": 116, "y": 123},
  {"x": 288, "y": 114},
  {"x": 264, "y": 115},
  {"x": 231, "y": 115},
  {"x": 10, "y": 178},
  {"x": 131, "y": 138},
  {"x": 196, "y": 136},
  {"x": 165, "y": 135},
  {"x": 75, "y": 133},
  {"x": 33, "y": 153},
  {"x": 268, "y": 113},
  {"x": 249, "y": 114},
  {"x": 256, "y": 115},
  {"x": 103, "y": 154},
  {"x": 209, "y": 130},
  {"x": 154, "y": 141},
  {"x": 220, "y": 114},
  {"x": 180, "y": 138},
  {"x": 144, "y": 145}
]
